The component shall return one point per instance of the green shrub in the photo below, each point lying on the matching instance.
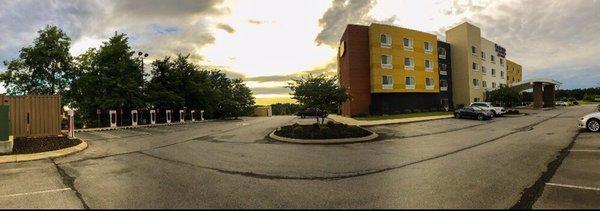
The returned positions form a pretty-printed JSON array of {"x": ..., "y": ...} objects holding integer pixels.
[
  {"x": 298, "y": 129},
  {"x": 416, "y": 110},
  {"x": 407, "y": 111},
  {"x": 330, "y": 123}
]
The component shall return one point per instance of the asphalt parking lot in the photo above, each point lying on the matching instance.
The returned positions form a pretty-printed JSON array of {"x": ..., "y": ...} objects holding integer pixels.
[{"x": 450, "y": 163}]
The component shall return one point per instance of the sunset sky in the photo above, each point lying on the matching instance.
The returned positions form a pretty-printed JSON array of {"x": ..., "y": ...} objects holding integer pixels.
[{"x": 267, "y": 42}]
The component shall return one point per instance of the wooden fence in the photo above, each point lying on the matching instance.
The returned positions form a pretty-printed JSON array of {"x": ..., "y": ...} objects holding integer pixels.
[{"x": 33, "y": 115}]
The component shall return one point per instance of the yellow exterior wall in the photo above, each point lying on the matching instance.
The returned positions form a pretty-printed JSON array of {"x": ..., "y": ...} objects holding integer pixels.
[
  {"x": 514, "y": 72},
  {"x": 398, "y": 54}
]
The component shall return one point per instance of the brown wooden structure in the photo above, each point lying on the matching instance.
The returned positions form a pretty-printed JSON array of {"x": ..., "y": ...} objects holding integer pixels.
[{"x": 33, "y": 115}]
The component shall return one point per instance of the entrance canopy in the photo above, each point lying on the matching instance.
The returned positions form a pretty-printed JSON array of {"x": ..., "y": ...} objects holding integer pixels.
[{"x": 528, "y": 84}]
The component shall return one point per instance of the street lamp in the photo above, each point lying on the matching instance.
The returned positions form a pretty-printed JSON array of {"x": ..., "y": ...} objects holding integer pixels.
[{"x": 141, "y": 56}]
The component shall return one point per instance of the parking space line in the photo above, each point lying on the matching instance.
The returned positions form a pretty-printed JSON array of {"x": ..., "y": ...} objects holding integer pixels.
[
  {"x": 35, "y": 192},
  {"x": 573, "y": 186},
  {"x": 584, "y": 150}
]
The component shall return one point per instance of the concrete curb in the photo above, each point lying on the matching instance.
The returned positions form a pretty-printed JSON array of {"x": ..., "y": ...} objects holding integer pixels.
[
  {"x": 325, "y": 141},
  {"x": 43, "y": 155},
  {"x": 365, "y": 123},
  {"x": 137, "y": 126}
]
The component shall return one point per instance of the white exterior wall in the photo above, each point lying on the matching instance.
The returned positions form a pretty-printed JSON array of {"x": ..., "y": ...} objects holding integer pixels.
[{"x": 490, "y": 49}]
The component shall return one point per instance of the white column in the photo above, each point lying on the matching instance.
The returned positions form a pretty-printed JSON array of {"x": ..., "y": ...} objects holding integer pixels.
[
  {"x": 134, "y": 117},
  {"x": 71, "y": 132},
  {"x": 152, "y": 117},
  {"x": 192, "y": 115},
  {"x": 113, "y": 118}
]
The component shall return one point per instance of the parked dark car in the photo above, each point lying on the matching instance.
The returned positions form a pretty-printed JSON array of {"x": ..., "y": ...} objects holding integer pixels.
[
  {"x": 473, "y": 112},
  {"x": 311, "y": 112}
]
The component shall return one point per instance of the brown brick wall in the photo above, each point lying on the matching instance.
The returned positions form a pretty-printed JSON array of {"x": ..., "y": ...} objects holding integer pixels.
[{"x": 354, "y": 70}]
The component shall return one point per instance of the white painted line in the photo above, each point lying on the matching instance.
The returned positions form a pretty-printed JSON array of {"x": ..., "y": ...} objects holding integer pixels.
[
  {"x": 573, "y": 186},
  {"x": 36, "y": 192},
  {"x": 584, "y": 150}
]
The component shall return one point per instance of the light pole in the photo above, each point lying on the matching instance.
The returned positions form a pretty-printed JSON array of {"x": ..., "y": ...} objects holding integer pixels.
[{"x": 142, "y": 55}]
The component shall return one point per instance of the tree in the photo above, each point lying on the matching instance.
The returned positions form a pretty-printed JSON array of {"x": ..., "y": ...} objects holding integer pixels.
[
  {"x": 108, "y": 78},
  {"x": 42, "y": 68},
  {"x": 319, "y": 92},
  {"x": 505, "y": 96},
  {"x": 285, "y": 108}
]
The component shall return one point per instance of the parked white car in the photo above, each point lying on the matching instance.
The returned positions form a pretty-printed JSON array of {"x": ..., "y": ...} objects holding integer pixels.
[
  {"x": 591, "y": 121},
  {"x": 496, "y": 111},
  {"x": 561, "y": 103}
]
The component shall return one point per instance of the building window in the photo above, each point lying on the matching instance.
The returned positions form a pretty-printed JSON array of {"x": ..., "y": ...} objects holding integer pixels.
[
  {"x": 408, "y": 44},
  {"x": 410, "y": 83},
  {"x": 429, "y": 83},
  {"x": 493, "y": 85},
  {"x": 477, "y": 99},
  {"x": 386, "y": 61},
  {"x": 501, "y": 62},
  {"x": 409, "y": 63},
  {"x": 428, "y": 65},
  {"x": 501, "y": 73},
  {"x": 493, "y": 59},
  {"x": 484, "y": 84},
  {"x": 473, "y": 50},
  {"x": 443, "y": 69},
  {"x": 428, "y": 48},
  {"x": 482, "y": 55},
  {"x": 475, "y": 83},
  {"x": 493, "y": 72},
  {"x": 442, "y": 53},
  {"x": 386, "y": 40},
  {"x": 475, "y": 66},
  {"x": 483, "y": 69},
  {"x": 387, "y": 82},
  {"x": 443, "y": 85}
]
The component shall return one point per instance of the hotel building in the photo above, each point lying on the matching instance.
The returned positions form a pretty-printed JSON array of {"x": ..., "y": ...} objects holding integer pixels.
[
  {"x": 514, "y": 72},
  {"x": 389, "y": 69}
]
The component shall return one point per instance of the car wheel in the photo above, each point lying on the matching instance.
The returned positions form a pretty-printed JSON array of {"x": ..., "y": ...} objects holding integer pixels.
[
  {"x": 480, "y": 117},
  {"x": 457, "y": 115},
  {"x": 593, "y": 125},
  {"x": 493, "y": 113}
]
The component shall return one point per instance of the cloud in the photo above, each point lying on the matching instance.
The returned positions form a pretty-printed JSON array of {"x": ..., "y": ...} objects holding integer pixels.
[
  {"x": 160, "y": 28},
  {"x": 342, "y": 13},
  {"x": 226, "y": 27},
  {"x": 257, "y": 22},
  {"x": 558, "y": 37}
]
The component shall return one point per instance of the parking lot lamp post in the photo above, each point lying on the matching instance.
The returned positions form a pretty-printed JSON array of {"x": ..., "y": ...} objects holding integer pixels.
[{"x": 142, "y": 55}]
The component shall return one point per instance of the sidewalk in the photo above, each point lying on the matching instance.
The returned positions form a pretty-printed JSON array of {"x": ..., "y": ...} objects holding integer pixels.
[{"x": 351, "y": 121}]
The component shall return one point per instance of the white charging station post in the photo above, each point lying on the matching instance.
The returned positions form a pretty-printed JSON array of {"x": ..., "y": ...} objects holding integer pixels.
[
  {"x": 113, "y": 118},
  {"x": 201, "y": 115},
  {"x": 192, "y": 115},
  {"x": 134, "y": 117},
  {"x": 152, "y": 117},
  {"x": 71, "y": 125},
  {"x": 181, "y": 116},
  {"x": 168, "y": 115}
]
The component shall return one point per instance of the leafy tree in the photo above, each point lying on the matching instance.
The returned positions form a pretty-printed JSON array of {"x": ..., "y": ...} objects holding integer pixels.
[
  {"x": 108, "y": 78},
  {"x": 319, "y": 92},
  {"x": 285, "y": 108},
  {"x": 42, "y": 68},
  {"x": 505, "y": 96}
]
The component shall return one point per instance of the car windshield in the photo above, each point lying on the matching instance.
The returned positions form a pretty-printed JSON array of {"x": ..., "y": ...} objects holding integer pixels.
[{"x": 476, "y": 108}]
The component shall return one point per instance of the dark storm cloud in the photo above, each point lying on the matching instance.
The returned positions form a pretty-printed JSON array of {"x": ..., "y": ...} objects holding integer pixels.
[{"x": 342, "y": 13}]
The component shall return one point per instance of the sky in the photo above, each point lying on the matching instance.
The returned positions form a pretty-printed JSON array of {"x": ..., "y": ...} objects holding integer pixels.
[{"x": 268, "y": 42}]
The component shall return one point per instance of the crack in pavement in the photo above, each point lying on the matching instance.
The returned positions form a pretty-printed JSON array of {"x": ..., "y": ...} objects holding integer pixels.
[
  {"x": 350, "y": 174},
  {"x": 158, "y": 147},
  {"x": 69, "y": 181},
  {"x": 531, "y": 194}
]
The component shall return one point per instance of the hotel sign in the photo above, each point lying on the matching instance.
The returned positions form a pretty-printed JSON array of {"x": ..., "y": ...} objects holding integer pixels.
[{"x": 501, "y": 51}]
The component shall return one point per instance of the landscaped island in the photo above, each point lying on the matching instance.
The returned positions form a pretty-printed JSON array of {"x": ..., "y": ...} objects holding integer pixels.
[
  {"x": 330, "y": 130},
  {"x": 45, "y": 144}
]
